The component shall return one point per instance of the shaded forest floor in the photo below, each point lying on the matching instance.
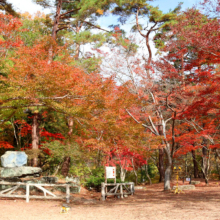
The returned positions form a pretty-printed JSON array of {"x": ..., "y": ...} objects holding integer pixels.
[{"x": 150, "y": 203}]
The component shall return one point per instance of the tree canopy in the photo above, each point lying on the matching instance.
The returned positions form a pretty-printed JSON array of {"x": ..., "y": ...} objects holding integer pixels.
[{"x": 73, "y": 92}]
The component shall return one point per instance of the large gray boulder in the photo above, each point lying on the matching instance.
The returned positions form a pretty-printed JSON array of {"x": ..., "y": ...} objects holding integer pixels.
[
  {"x": 19, "y": 171},
  {"x": 14, "y": 159}
]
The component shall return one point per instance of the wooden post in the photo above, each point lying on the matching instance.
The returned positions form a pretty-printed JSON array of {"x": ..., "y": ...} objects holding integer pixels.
[
  {"x": 115, "y": 176},
  {"x": 105, "y": 175},
  {"x": 121, "y": 191},
  {"x": 27, "y": 192},
  {"x": 103, "y": 191},
  {"x": 132, "y": 188},
  {"x": 68, "y": 193}
]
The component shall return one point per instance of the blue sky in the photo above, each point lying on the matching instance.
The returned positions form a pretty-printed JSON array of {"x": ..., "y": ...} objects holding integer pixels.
[
  {"x": 104, "y": 22},
  {"x": 165, "y": 5}
]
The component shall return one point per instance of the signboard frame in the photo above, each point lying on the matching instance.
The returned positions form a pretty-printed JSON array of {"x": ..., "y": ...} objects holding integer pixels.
[{"x": 114, "y": 174}]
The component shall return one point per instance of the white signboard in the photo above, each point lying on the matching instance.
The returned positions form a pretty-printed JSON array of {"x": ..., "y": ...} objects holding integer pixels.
[
  {"x": 110, "y": 172},
  {"x": 188, "y": 179}
]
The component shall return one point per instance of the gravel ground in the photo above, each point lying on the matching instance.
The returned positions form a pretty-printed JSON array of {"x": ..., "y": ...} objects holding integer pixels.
[{"x": 150, "y": 203}]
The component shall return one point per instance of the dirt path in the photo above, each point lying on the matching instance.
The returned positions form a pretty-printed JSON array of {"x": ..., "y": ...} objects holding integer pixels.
[{"x": 151, "y": 203}]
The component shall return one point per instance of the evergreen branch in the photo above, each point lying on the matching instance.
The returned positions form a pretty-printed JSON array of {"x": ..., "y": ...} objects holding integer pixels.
[
  {"x": 5, "y": 120},
  {"x": 96, "y": 26},
  {"x": 62, "y": 28},
  {"x": 69, "y": 12}
]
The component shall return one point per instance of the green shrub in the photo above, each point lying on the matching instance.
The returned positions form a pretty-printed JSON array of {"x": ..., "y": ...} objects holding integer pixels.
[{"x": 96, "y": 178}]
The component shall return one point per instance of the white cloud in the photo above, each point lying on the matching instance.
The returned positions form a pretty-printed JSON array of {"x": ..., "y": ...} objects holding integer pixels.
[{"x": 27, "y": 6}]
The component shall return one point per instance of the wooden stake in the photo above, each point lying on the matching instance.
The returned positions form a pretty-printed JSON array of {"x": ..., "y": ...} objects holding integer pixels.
[
  {"x": 121, "y": 191},
  {"x": 103, "y": 191},
  {"x": 27, "y": 192},
  {"x": 68, "y": 193}
]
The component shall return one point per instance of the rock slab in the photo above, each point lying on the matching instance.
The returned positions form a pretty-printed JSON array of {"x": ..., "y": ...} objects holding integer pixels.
[
  {"x": 139, "y": 187},
  {"x": 19, "y": 171},
  {"x": 185, "y": 187},
  {"x": 49, "y": 179},
  {"x": 14, "y": 159},
  {"x": 195, "y": 182},
  {"x": 74, "y": 184}
]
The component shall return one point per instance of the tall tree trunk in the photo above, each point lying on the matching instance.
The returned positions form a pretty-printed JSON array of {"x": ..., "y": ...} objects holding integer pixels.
[
  {"x": 168, "y": 171},
  {"x": 35, "y": 138},
  {"x": 135, "y": 172},
  {"x": 122, "y": 174},
  {"x": 66, "y": 166},
  {"x": 57, "y": 19},
  {"x": 195, "y": 165},
  {"x": 182, "y": 72},
  {"x": 147, "y": 174},
  {"x": 205, "y": 161},
  {"x": 55, "y": 28},
  {"x": 67, "y": 159},
  {"x": 77, "y": 51},
  {"x": 161, "y": 165},
  {"x": 150, "y": 54},
  {"x": 161, "y": 157},
  {"x": 217, "y": 164}
]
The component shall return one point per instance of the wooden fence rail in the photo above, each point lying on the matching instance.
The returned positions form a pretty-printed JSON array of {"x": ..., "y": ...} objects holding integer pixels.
[
  {"x": 117, "y": 189},
  {"x": 47, "y": 194}
]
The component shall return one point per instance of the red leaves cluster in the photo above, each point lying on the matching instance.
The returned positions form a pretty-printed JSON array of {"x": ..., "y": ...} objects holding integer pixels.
[
  {"x": 126, "y": 159},
  {"x": 53, "y": 136},
  {"x": 5, "y": 145},
  {"x": 9, "y": 31}
]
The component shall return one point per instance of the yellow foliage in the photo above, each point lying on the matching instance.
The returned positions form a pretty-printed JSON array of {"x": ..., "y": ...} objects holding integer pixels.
[{"x": 100, "y": 11}]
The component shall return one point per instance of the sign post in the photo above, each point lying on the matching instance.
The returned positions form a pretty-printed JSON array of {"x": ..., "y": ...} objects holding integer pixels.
[
  {"x": 110, "y": 173},
  {"x": 116, "y": 189},
  {"x": 177, "y": 170}
]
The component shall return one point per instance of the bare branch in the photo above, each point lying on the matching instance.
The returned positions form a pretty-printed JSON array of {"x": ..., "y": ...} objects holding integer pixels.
[
  {"x": 132, "y": 116},
  {"x": 21, "y": 106},
  {"x": 43, "y": 98},
  {"x": 167, "y": 120},
  {"x": 68, "y": 1},
  {"x": 140, "y": 123},
  {"x": 153, "y": 126}
]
